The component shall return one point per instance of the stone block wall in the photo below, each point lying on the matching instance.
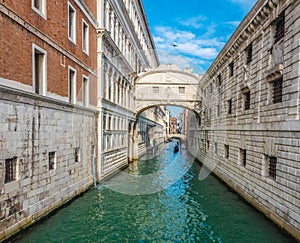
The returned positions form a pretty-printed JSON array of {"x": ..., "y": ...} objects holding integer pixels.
[
  {"x": 238, "y": 142},
  {"x": 35, "y": 130}
]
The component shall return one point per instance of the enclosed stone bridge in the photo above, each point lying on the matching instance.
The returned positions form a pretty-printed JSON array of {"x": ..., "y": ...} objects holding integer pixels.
[
  {"x": 167, "y": 85},
  {"x": 177, "y": 135}
]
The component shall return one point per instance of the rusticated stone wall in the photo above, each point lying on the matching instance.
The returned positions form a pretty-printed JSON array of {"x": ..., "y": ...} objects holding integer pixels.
[{"x": 34, "y": 128}]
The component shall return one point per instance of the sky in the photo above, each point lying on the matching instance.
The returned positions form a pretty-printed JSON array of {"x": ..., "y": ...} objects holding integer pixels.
[{"x": 191, "y": 33}]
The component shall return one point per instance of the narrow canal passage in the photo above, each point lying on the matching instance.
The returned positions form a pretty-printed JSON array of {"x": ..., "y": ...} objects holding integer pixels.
[{"x": 188, "y": 211}]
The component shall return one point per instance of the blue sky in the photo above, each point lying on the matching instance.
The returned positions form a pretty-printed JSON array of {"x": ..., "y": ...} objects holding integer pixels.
[{"x": 199, "y": 29}]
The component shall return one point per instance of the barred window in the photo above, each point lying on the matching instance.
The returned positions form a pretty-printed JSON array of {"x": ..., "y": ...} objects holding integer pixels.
[
  {"x": 279, "y": 28},
  {"x": 226, "y": 147},
  {"x": 10, "y": 170},
  {"x": 52, "y": 160},
  {"x": 219, "y": 80},
  {"x": 249, "y": 53},
  {"x": 247, "y": 100},
  {"x": 231, "y": 69},
  {"x": 272, "y": 167},
  {"x": 155, "y": 89},
  {"x": 229, "y": 103},
  {"x": 181, "y": 90},
  {"x": 277, "y": 90},
  {"x": 77, "y": 154},
  {"x": 243, "y": 157}
]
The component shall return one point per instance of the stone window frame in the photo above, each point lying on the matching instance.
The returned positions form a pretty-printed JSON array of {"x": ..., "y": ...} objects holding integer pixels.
[
  {"x": 269, "y": 170},
  {"x": 52, "y": 160},
  {"x": 155, "y": 89},
  {"x": 229, "y": 106},
  {"x": 42, "y": 82},
  {"x": 85, "y": 37},
  {"x": 278, "y": 27},
  {"x": 40, "y": 7},
  {"x": 11, "y": 170},
  {"x": 249, "y": 53},
  {"x": 72, "y": 85},
  {"x": 77, "y": 155},
  {"x": 226, "y": 151},
  {"x": 246, "y": 98},
  {"x": 243, "y": 157},
  {"x": 231, "y": 69},
  {"x": 181, "y": 90},
  {"x": 85, "y": 91},
  {"x": 71, "y": 26}
]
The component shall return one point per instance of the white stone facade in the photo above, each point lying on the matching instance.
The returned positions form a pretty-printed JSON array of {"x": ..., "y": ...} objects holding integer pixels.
[
  {"x": 249, "y": 131},
  {"x": 52, "y": 144}
]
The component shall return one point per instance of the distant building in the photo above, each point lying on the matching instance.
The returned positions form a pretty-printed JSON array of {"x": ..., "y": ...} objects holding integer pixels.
[{"x": 173, "y": 125}]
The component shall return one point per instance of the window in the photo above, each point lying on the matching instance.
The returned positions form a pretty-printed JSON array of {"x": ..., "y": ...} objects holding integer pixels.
[
  {"x": 85, "y": 91},
  {"x": 279, "y": 28},
  {"x": 216, "y": 148},
  {"x": 218, "y": 109},
  {"x": 52, "y": 160},
  {"x": 181, "y": 90},
  {"x": 276, "y": 89},
  {"x": 77, "y": 155},
  {"x": 39, "y": 70},
  {"x": 210, "y": 88},
  {"x": 155, "y": 89},
  {"x": 39, "y": 6},
  {"x": 272, "y": 167},
  {"x": 229, "y": 104},
  {"x": 231, "y": 69},
  {"x": 249, "y": 54},
  {"x": 246, "y": 100},
  {"x": 85, "y": 37},
  {"x": 10, "y": 170},
  {"x": 220, "y": 80},
  {"x": 207, "y": 145},
  {"x": 71, "y": 23},
  {"x": 226, "y": 148},
  {"x": 243, "y": 157},
  {"x": 72, "y": 85}
]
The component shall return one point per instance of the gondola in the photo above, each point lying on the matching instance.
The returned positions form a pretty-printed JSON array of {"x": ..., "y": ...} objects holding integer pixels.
[{"x": 176, "y": 148}]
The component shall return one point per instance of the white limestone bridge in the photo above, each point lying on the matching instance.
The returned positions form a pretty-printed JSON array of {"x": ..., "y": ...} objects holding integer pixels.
[{"x": 167, "y": 85}]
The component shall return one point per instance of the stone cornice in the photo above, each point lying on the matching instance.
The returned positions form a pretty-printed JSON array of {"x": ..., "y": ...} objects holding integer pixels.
[{"x": 253, "y": 20}]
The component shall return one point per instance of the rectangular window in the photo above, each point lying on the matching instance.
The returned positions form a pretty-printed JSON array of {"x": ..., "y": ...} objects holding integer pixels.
[
  {"x": 155, "y": 89},
  {"x": 181, "y": 90},
  {"x": 39, "y": 6},
  {"x": 10, "y": 170},
  {"x": 229, "y": 104},
  {"x": 39, "y": 70},
  {"x": 71, "y": 23},
  {"x": 220, "y": 80},
  {"x": 247, "y": 100},
  {"x": 231, "y": 69},
  {"x": 272, "y": 167},
  {"x": 218, "y": 109},
  {"x": 226, "y": 148},
  {"x": 104, "y": 122},
  {"x": 52, "y": 160},
  {"x": 243, "y": 157},
  {"x": 72, "y": 85},
  {"x": 249, "y": 54},
  {"x": 85, "y": 91},
  {"x": 85, "y": 37},
  {"x": 210, "y": 88},
  {"x": 77, "y": 155},
  {"x": 216, "y": 148},
  {"x": 277, "y": 90},
  {"x": 279, "y": 28}
]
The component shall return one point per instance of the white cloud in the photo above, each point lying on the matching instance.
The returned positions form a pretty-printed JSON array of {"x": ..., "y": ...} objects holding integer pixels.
[
  {"x": 195, "y": 22},
  {"x": 234, "y": 24}
]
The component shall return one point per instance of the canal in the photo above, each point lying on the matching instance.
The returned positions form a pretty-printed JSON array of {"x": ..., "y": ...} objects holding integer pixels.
[{"x": 181, "y": 209}]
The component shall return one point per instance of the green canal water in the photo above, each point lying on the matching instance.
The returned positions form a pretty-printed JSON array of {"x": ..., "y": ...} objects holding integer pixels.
[{"x": 187, "y": 211}]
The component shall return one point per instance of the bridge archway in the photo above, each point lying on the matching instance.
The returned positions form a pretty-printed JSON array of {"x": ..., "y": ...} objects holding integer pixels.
[{"x": 167, "y": 85}]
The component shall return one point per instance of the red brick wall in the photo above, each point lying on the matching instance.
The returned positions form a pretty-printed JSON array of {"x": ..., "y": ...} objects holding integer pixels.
[{"x": 16, "y": 46}]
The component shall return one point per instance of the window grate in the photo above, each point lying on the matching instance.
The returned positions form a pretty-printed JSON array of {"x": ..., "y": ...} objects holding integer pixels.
[
  {"x": 10, "y": 170},
  {"x": 243, "y": 157},
  {"x": 219, "y": 80},
  {"x": 249, "y": 53},
  {"x": 77, "y": 155},
  {"x": 247, "y": 100},
  {"x": 277, "y": 90},
  {"x": 279, "y": 28},
  {"x": 52, "y": 160},
  {"x": 231, "y": 69},
  {"x": 272, "y": 167},
  {"x": 226, "y": 151},
  {"x": 229, "y": 106}
]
